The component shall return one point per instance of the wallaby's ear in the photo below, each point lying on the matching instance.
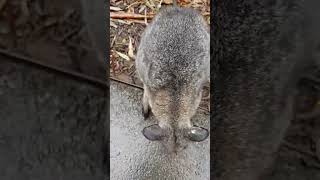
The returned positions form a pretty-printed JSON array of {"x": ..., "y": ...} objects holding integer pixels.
[
  {"x": 154, "y": 133},
  {"x": 197, "y": 134}
]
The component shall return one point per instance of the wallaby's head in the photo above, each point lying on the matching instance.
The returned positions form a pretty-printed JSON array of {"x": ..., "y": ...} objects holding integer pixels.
[{"x": 173, "y": 63}]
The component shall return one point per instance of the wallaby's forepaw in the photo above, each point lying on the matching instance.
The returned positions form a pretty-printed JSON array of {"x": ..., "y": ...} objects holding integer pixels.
[{"x": 145, "y": 112}]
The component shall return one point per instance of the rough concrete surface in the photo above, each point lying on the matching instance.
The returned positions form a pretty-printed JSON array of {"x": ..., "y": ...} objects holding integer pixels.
[
  {"x": 134, "y": 157},
  {"x": 51, "y": 127}
]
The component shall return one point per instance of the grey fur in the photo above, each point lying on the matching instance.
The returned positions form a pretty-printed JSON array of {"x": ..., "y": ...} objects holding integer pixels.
[{"x": 173, "y": 62}]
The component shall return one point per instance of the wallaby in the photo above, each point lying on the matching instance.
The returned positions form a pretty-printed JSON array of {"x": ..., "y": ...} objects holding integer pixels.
[
  {"x": 260, "y": 50},
  {"x": 173, "y": 62}
]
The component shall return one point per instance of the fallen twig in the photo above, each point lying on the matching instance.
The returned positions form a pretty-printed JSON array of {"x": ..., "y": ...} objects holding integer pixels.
[
  {"x": 124, "y": 15},
  {"x": 133, "y": 4},
  {"x": 138, "y": 21}
]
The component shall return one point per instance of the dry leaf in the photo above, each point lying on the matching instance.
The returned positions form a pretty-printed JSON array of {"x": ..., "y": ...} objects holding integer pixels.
[
  {"x": 130, "y": 10},
  {"x": 123, "y": 22},
  {"x": 115, "y": 8},
  {"x": 130, "y": 49},
  {"x": 134, "y": 4},
  {"x": 167, "y": 1},
  {"x": 142, "y": 8},
  {"x": 123, "y": 56},
  {"x": 159, "y": 5},
  {"x": 113, "y": 24},
  {"x": 150, "y": 5}
]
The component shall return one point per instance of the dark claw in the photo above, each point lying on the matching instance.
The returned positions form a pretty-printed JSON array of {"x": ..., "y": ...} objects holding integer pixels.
[{"x": 145, "y": 114}]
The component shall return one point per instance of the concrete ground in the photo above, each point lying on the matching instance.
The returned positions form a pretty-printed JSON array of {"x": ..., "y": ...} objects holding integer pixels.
[{"x": 134, "y": 157}]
